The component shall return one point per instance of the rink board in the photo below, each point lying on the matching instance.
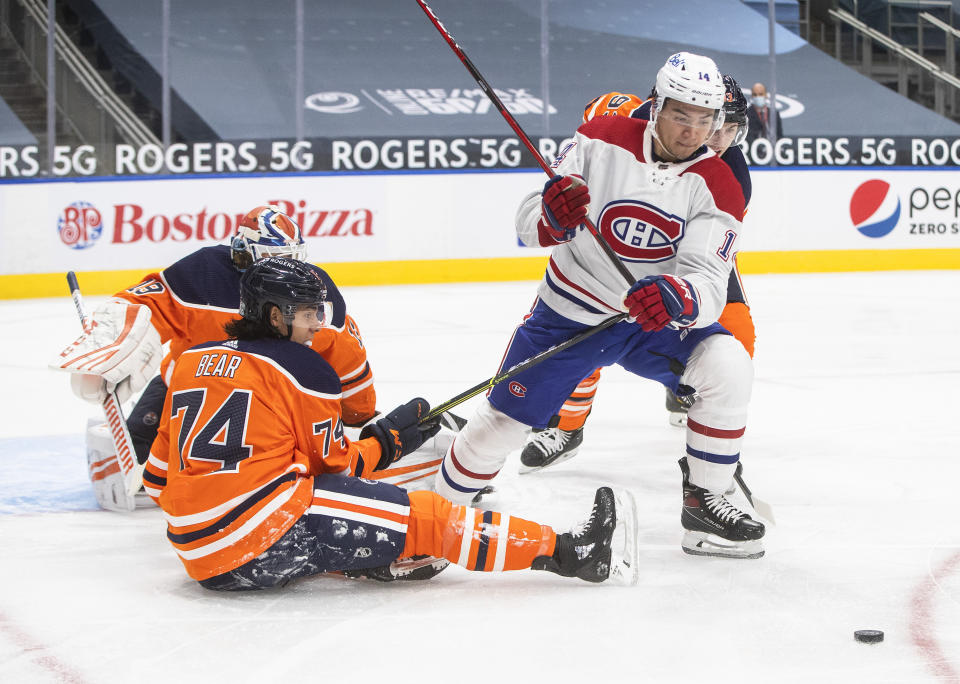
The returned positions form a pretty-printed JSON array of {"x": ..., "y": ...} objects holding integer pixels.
[{"x": 392, "y": 228}]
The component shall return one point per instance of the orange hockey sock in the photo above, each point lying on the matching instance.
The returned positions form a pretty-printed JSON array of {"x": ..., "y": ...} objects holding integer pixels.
[
  {"x": 473, "y": 538},
  {"x": 573, "y": 414},
  {"x": 737, "y": 319}
]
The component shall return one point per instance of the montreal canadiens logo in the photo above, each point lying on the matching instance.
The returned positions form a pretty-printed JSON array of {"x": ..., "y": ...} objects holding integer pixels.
[
  {"x": 638, "y": 231},
  {"x": 874, "y": 208},
  {"x": 80, "y": 225},
  {"x": 516, "y": 389}
]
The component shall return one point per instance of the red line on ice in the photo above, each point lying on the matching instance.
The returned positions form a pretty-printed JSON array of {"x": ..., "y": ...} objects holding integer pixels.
[
  {"x": 922, "y": 631},
  {"x": 38, "y": 653}
]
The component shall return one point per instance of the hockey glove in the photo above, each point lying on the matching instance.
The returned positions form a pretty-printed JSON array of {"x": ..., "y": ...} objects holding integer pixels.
[
  {"x": 656, "y": 301},
  {"x": 564, "y": 204},
  {"x": 399, "y": 433},
  {"x": 118, "y": 352}
]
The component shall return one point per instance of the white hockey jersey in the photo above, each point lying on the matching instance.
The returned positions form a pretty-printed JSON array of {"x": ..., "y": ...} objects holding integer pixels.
[{"x": 679, "y": 219}]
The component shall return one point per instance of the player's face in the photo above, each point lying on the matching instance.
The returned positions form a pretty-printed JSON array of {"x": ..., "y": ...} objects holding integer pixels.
[
  {"x": 723, "y": 138},
  {"x": 681, "y": 129},
  {"x": 306, "y": 323}
]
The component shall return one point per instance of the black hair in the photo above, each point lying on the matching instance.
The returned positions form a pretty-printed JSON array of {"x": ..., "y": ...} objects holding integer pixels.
[{"x": 252, "y": 329}]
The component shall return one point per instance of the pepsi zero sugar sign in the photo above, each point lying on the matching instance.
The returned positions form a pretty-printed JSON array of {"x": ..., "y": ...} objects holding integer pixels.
[
  {"x": 868, "y": 209},
  {"x": 874, "y": 209}
]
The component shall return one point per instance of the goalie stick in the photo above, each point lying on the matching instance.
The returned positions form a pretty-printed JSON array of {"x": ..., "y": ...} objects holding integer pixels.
[{"x": 131, "y": 470}]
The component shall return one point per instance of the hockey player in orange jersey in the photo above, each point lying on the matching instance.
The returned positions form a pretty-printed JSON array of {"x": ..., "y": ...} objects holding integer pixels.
[
  {"x": 188, "y": 303},
  {"x": 260, "y": 486},
  {"x": 561, "y": 441}
]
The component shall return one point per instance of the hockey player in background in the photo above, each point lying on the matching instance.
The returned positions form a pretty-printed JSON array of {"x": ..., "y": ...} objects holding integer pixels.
[
  {"x": 260, "y": 485},
  {"x": 185, "y": 304},
  {"x": 671, "y": 210},
  {"x": 562, "y": 439}
]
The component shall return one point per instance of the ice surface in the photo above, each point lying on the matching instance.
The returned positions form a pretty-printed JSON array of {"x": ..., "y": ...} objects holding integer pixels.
[{"x": 854, "y": 438}]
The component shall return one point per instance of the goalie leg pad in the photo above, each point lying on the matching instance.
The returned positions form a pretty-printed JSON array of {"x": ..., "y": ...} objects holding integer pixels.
[
  {"x": 104, "y": 470},
  {"x": 417, "y": 471}
]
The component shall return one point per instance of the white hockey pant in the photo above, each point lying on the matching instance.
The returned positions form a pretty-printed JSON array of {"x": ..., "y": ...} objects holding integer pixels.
[
  {"x": 721, "y": 372},
  {"x": 478, "y": 453}
]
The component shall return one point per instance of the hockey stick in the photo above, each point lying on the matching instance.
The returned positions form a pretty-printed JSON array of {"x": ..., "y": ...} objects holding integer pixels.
[
  {"x": 519, "y": 368},
  {"x": 763, "y": 509},
  {"x": 498, "y": 103},
  {"x": 131, "y": 470}
]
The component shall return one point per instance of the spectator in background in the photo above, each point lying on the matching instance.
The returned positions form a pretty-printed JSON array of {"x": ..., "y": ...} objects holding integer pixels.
[{"x": 760, "y": 115}]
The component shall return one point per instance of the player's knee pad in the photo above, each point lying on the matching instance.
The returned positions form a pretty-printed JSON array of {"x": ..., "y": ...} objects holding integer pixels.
[
  {"x": 479, "y": 452},
  {"x": 721, "y": 372},
  {"x": 489, "y": 436},
  {"x": 417, "y": 471}
]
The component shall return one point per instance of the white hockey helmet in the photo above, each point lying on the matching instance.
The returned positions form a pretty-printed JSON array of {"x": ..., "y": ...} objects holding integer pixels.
[{"x": 693, "y": 79}]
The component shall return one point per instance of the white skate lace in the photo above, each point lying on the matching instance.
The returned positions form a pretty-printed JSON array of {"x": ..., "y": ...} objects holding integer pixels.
[
  {"x": 550, "y": 441},
  {"x": 722, "y": 508}
]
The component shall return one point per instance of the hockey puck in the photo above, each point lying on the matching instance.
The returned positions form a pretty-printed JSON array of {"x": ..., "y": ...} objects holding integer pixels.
[{"x": 868, "y": 636}]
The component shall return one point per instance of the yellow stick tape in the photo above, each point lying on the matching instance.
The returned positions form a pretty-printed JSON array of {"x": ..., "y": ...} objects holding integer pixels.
[{"x": 26, "y": 286}]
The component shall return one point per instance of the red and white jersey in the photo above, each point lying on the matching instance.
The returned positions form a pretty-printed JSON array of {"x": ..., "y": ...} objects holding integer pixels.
[{"x": 678, "y": 219}]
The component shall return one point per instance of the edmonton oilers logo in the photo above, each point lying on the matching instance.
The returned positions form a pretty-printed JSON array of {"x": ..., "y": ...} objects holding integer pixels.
[
  {"x": 79, "y": 225},
  {"x": 874, "y": 208}
]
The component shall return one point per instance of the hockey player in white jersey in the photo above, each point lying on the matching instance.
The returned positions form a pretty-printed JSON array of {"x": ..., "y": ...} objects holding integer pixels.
[{"x": 670, "y": 209}]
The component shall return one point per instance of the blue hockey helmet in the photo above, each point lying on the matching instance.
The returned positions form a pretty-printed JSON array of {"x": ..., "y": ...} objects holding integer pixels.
[
  {"x": 280, "y": 282},
  {"x": 735, "y": 107}
]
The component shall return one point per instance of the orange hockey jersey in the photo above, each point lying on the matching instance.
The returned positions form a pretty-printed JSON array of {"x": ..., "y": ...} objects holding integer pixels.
[
  {"x": 245, "y": 427},
  {"x": 612, "y": 104},
  {"x": 192, "y": 299}
]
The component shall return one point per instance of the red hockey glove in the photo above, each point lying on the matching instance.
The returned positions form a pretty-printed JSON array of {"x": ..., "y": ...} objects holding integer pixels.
[
  {"x": 656, "y": 301},
  {"x": 399, "y": 433},
  {"x": 564, "y": 204}
]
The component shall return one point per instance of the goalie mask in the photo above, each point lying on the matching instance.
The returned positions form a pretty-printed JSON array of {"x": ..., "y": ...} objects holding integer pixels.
[
  {"x": 266, "y": 231},
  {"x": 283, "y": 283}
]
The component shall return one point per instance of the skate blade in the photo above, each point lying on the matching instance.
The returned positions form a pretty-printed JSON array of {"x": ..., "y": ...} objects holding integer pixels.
[
  {"x": 418, "y": 567},
  {"x": 705, "y": 544},
  {"x": 525, "y": 469},
  {"x": 625, "y": 550},
  {"x": 486, "y": 499}
]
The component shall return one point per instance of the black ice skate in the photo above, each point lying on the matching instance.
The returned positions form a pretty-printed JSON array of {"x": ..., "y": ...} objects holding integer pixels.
[
  {"x": 714, "y": 526},
  {"x": 403, "y": 569},
  {"x": 604, "y": 547},
  {"x": 549, "y": 446}
]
